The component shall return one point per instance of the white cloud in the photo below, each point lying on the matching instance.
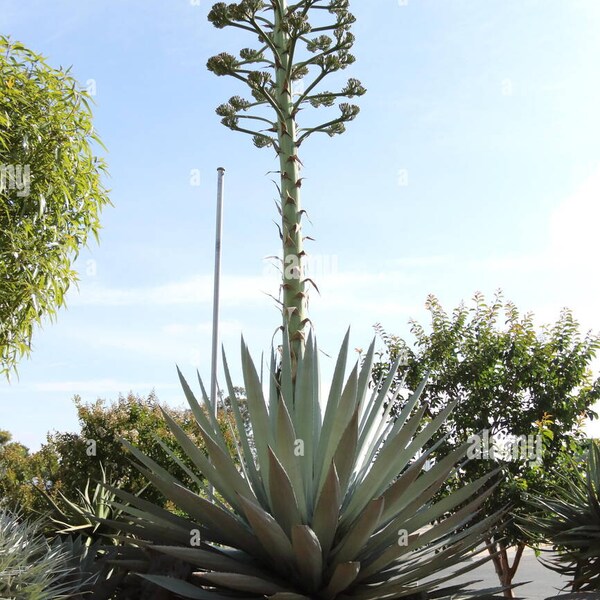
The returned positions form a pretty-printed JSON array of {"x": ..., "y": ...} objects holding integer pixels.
[
  {"x": 239, "y": 291},
  {"x": 235, "y": 290},
  {"x": 517, "y": 263},
  {"x": 574, "y": 224},
  {"x": 572, "y": 238},
  {"x": 424, "y": 261},
  {"x": 94, "y": 386},
  {"x": 226, "y": 328},
  {"x": 153, "y": 343}
]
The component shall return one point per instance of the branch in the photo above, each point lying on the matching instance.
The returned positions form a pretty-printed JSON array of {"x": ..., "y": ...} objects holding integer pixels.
[
  {"x": 353, "y": 88},
  {"x": 326, "y": 95},
  {"x": 265, "y": 36},
  {"x": 349, "y": 112},
  {"x": 269, "y": 98},
  {"x": 255, "y": 134},
  {"x": 311, "y": 87},
  {"x": 276, "y": 6},
  {"x": 292, "y": 51},
  {"x": 240, "y": 26},
  {"x": 322, "y": 129},
  {"x": 326, "y": 28},
  {"x": 264, "y": 61},
  {"x": 307, "y": 5},
  {"x": 272, "y": 102},
  {"x": 255, "y": 118},
  {"x": 313, "y": 60},
  {"x": 264, "y": 20}
]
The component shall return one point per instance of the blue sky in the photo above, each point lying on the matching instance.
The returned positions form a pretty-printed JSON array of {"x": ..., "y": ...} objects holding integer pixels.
[{"x": 474, "y": 165}]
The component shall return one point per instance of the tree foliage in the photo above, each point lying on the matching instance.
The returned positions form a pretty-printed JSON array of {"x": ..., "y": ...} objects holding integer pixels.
[
  {"x": 51, "y": 192},
  {"x": 24, "y": 474},
  {"x": 68, "y": 461},
  {"x": 509, "y": 379}
]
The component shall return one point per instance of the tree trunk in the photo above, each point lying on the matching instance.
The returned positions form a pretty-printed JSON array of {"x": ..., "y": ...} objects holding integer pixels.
[
  {"x": 294, "y": 287},
  {"x": 505, "y": 571}
]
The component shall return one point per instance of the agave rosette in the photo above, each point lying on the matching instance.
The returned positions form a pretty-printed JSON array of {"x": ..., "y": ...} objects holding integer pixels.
[
  {"x": 569, "y": 520},
  {"x": 325, "y": 504}
]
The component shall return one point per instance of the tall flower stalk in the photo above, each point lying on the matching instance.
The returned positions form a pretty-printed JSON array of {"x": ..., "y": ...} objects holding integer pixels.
[{"x": 285, "y": 75}]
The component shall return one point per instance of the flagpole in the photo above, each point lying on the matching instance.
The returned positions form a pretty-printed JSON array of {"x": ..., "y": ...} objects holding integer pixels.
[{"x": 216, "y": 292}]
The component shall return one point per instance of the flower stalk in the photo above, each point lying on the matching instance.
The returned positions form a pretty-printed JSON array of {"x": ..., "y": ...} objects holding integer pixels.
[{"x": 292, "y": 52}]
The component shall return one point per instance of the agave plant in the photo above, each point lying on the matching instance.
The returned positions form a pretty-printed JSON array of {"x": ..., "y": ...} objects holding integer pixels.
[
  {"x": 89, "y": 571},
  {"x": 332, "y": 504},
  {"x": 81, "y": 516},
  {"x": 30, "y": 567},
  {"x": 570, "y": 521}
]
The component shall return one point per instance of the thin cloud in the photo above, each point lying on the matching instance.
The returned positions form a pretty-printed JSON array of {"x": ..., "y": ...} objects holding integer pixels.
[
  {"x": 98, "y": 386},
  {"x": 226, "y": 328},
  {"x": 235, "y": 290}
]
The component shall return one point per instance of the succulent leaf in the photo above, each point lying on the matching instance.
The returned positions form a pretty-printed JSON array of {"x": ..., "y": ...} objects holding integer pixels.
[{"x": 316, "y": 509}]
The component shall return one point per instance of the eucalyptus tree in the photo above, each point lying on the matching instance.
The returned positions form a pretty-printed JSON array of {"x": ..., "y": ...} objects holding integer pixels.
[
  {"x": 299, "y": 45},
  {"x": 51, "y": 192}
]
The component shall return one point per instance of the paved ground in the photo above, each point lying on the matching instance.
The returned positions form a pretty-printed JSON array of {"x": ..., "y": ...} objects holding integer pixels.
[{"x": 544, "y": 583}]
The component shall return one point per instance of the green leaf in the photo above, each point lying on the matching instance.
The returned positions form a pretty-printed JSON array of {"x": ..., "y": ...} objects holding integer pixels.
[
  {"x": 327, "y": 509},
  {"x": 283, "y": 499},
  {"x": 213, "y": 560},
  {"x": 308, "y": 555},
  {"x": 242, "y": 583},
  {"x": 257, "y": 410},
  {"x": 345, "y": 454},
  {"x": 286, "y": 439},
  {"x": 343, "y": 576},
  {"x": 270, "y": 534},
  {"x": 183, "y": 588},
  {"x": 354, "y": 541}
]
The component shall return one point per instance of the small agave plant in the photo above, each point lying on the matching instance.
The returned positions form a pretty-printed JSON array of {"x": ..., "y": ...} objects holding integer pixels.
[
  {"x": 331, "y": 504},
  {"x": 83, "y": 515},
  {"x": 31, "y": 568},
  {"x": 569, "y": 520}
]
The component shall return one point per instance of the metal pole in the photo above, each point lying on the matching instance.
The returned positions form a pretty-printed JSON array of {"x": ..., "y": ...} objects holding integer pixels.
[{"x": 217, "y": 283}]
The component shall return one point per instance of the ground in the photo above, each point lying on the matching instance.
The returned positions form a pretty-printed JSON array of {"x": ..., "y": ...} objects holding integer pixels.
[{"x": 544, "y": 583}]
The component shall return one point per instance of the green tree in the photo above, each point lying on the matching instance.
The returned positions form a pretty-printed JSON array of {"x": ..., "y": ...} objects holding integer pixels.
[
  {"x": 51, "y": 192},
  {"x": 97, "y": 445},
  {"x": 292, "y": 50},
  {"x": 509, "y": 382},
  {"x": 5, "y": 437},
  {"x": 67, "y": 461},
  {"x": 21, "y": 472}
]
